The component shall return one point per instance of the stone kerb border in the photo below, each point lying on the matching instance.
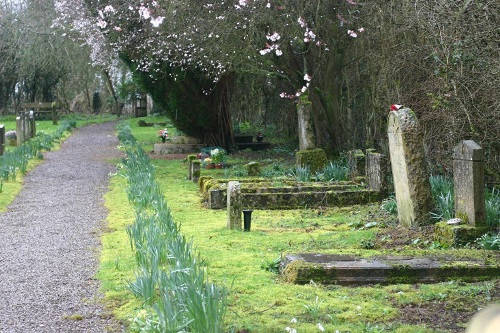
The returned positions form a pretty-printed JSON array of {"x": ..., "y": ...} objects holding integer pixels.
[{"x": 292, "y": 195}]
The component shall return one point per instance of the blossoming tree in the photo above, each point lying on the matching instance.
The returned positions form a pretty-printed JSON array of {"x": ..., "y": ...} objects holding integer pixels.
[{"x": 186, "y": 52}]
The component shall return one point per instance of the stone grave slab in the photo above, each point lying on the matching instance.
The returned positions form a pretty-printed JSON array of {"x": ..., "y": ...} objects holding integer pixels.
[
  {"x": 348, "y": 270},
  {"x": 176, "y": 148}
]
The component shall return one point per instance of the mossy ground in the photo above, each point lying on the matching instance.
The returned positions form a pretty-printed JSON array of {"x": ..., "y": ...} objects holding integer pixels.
[{"x": 259, "y": 300}]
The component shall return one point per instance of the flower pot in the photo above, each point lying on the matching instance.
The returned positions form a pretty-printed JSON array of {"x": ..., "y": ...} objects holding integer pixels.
[
  {"x": 260, "y": 137},
  {"x": 219, "y": 165},
  {"x": 163, "y": 139},
  {"x": 210, "y": 166}
]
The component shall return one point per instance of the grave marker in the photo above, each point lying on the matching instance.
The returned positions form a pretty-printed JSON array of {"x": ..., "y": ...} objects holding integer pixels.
[
  {"x": 411, "y": 179},
  {"x": 195, "y": 170},
  {"x": 376, "y": 171},
  {"x": 356, "y": 159},
  {"x": 234, "y": 205},
  {"x": 468, "y": 175}
]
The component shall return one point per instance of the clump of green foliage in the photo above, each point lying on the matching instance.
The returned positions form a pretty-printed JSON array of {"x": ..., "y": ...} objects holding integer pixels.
[
  {"x": 16, "y": 160},
  {"x": 443, "y": 197},
  {"x": 170, "y": 278}
]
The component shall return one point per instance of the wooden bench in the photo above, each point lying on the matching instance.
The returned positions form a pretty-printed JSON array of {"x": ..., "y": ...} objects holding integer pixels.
[{"x": 42, "y": 107}]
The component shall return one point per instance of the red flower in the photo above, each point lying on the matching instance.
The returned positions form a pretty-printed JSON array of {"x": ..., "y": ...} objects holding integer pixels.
[{"x": 395, "y": 107}]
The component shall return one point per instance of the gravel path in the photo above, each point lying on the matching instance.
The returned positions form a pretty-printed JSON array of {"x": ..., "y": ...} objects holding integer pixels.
[{"x": 49, "y": 239}]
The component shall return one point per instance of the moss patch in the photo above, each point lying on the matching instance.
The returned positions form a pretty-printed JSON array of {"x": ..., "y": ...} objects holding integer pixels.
[{"x": 314, "y": 158}]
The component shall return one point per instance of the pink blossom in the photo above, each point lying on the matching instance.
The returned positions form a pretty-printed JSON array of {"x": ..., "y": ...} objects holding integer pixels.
[
  {"x": 144, "y": 12},
  {"x": 302, "y": 22},
  {"x": 361, "y": 29},
  {"x": 352, "y": 33},
  {"x": 274, "y": 37},
  {"x": 156, "y": 22},
  {"x": 109, "y": 9},
  {"x": 307, "y": 77}
]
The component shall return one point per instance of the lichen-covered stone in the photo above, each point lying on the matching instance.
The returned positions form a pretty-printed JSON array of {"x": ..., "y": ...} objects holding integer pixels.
[
  {"x": 201, "y": 182},
  {"x": 468, "y": 175},
  {"x": 409, "y": 168},
  {"x": 253, "y": 169},
  {"x": 234, "y": 205},
  {"x": 457, "y": 235},
  {"x": 314, "y": 158},
  {"x": 356, "y": 160},
  {"x": 195, "y": 170},
  {"x": 376, "y": 171},
  {"x": 348, "y": 270}
]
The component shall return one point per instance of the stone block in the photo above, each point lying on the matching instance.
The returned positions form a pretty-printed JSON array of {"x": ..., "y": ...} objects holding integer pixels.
[
  {"x": 348, "y": 270},
  {"x": 468, "y": 178},
  {"x": 314, "y": 158},
  {"x": 171, "y": 148},
  {"x": 457, "y": 235},
  {"x": 190, "y": 159},
  {"x": 409, "y": 169},
  {"x": 195, "y": 170},
  {"x": 376, "y": 171},
  {"x": 356, "y": 160},
  {"x": 253, "y": 169},
  {"x": 216, "y": 199},
  {"x": 234, "y": 205}
]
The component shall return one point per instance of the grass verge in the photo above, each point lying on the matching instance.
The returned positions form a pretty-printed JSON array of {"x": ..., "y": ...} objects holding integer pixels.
[{"x": 259, "y": 301}]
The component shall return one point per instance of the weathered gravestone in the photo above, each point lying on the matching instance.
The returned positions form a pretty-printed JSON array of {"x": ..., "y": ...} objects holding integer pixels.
[
  {"x": 190, "y": 159},
  {"x": 376, "y": 171},
  {"x": 234, "y": 205},
  {"x": 306, "y": 134},
  {"x": 20, "y": 126},
  {"x": 31, "y": 124},
  {"x": 468, "y": 175},
  {"x": 411, "y": 180},
  {"x": 195, "y": 172},
  {"x": 2, "y": 139},
  {"x": 356, "y": 159}
]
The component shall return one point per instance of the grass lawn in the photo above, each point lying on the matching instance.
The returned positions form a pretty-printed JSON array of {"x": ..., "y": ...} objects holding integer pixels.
[{"x": 244, "y": 262}]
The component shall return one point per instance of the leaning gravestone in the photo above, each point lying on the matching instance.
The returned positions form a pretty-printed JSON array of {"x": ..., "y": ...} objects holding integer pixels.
[
  {"x": 234, "y": 205},
  {"x": 468, "y": 175},
  {"x": 411, "y": 180}
]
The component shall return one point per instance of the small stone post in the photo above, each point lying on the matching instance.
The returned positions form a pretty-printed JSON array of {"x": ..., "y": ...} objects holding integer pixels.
[
  {"x": 253, "y": 168},
  {"x": 357, "y": 163},
  {"x": 409, "y": 169},
  {"x": 2, "y": 139},
  {"x": 190, "y": 159},
  {"x": 376, "y": 171},
  {"x": 234, "y": 205},
  {"x": 54, "y": 113},
  {"x": 215, "y": 199},
  {"x": 195, "y": 170},
  {"x": 31, "y": 125},
  {"x": 468, "y": 175},
  {"x": 19, "y": 131},
  {"x": 306, "y": 134}
]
